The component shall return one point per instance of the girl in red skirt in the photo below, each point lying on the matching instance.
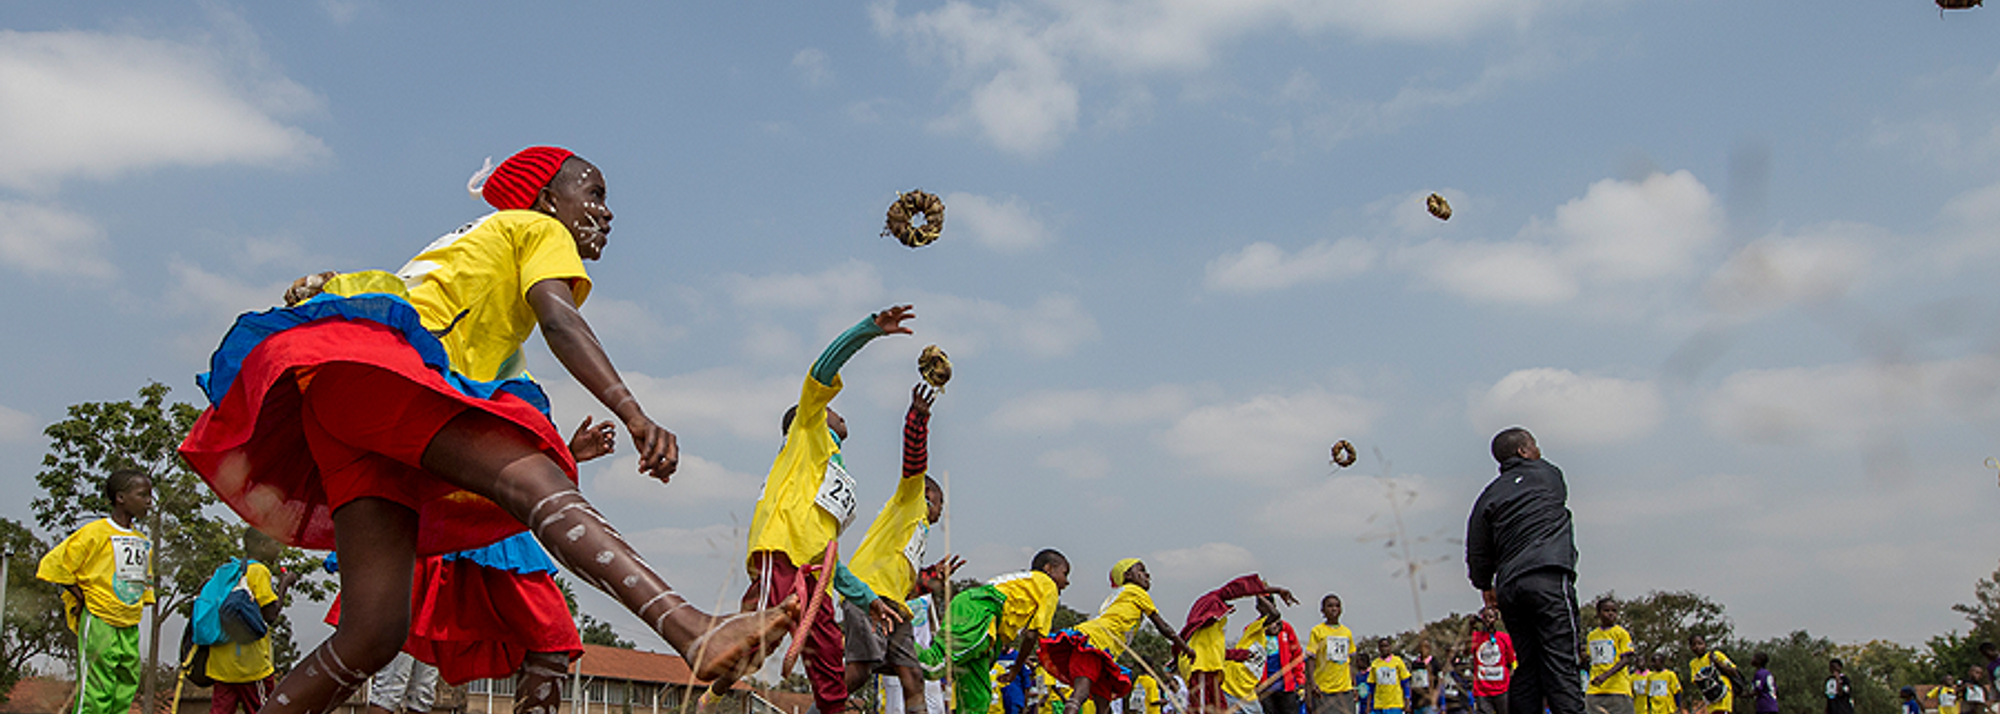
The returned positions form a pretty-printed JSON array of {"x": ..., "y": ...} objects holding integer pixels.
[
  {"x": 1086, "y": 658},
  {"x": 388, "y": 418}
]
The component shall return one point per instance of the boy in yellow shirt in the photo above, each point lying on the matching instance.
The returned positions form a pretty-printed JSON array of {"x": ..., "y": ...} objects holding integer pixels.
[
  {"x": 1012, "y": 611},
  {"x": 1389, "y": 677},
  {"x": 1663, "y": 687},
  {"x": 1711, "y": 672},
  {"x": 243, "y": 672},
  {"x": 105, "y": 569},
  {"x": 808, "y": 500},
  {"x": 1611, "y": 656},
  {"x": 1329, "y": 646},
  {"x": 887, "y": 562}
]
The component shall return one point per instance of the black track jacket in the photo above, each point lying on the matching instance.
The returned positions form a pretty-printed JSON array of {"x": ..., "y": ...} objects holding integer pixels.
[{"x": 1520, "y": 523}]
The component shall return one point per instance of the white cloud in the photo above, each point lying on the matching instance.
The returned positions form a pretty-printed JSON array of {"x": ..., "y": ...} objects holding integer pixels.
[
  {"x": 195, "y": 290},
  {"x": 1052, "y": 326},
  {"x": 1349, "y": 505},
  {"x": 96, "y": 105},
  {"x": 1778, "y": 271},
  {"x": 1266, "y": 436},
  {"x": 697, "y": 480},
  {"x": 1493, "y": 272},
  {"x": 1081, "y": 463},
  {"x": 721, "y": 400},
  {"x": 17, "y": 426},
  {"x": 1020, "y": 64},
  {"x": 1624, "y": 231},
  {"x": 1057, "y": 411},
  {"x": 1619, "y": 233},
  {"x": 48, "y": 241},
  {"x": 1837, "y": 405},
  {"x": 1561, "y": 406},
  {"x": 628, "y": 321},
  {"x": 1205, "y": 563},
  {"x": 813, "y": 67},
  {"x": 845, "y": 288},
  {"x": 1005, "y": 224},
  {"x": 1261, "y": 266}
]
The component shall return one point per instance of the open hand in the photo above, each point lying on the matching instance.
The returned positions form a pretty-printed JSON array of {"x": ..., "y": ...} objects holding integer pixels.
[
  {"x": 885, "y": 615},
  {"x": 890, "y": 320},
  {"x": 593, "y": 440},
  {"x": 921, "y": 398},
  {"x": 1285, "y": 594}
]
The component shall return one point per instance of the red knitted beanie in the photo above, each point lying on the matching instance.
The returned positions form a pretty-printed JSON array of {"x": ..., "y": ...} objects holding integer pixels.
[{"x": 521, "y": 177}]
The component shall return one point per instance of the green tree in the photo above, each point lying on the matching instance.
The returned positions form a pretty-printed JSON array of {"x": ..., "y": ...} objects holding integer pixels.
[
  {"x": 1662, "y": 622},
  {"x": 32, "y": 625},
  {"x": 1798, "y": 666},
  {"x": 100, "y": 437},
  {"x": 1984, "y": 612},
  {"x": 1877, "y": 669}
]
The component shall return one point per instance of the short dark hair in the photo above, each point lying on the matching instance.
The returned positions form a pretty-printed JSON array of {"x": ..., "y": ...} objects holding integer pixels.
[
  {"x": 1605, "y": 600},
  {"x": 785, "y": 426},
  {"x": 1508, "y": 443},
  {"x": 117, "y": 482},
  {"x": 931, "y": 484},
  {"x": 1760, "y": 659},
  {"x": 1329, "y": 596},
  {"x": 1045, "y": 558},
  {"x": 1835, "y": 661},
  {"x": 1987, "y": 646}
]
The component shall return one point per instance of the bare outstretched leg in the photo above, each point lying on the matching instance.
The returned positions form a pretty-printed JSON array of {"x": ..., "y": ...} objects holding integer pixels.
[
  {"x": 539, "y": 690},
  {"x": 489, "y": 456},
  {"x": 376, "y": 540}
]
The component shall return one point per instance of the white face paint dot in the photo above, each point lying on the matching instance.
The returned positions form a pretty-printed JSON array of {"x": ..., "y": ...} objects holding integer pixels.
[
  {"x": 285, "y": 700},
  {"x": 631, "y": 580},
  {"x": 574, "y": 533},
  {"x": 605, "y": 556}
]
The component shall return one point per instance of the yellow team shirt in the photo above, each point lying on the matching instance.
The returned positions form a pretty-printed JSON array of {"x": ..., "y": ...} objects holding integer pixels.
[
  {"x": 1239, "y": 679},
  {"x": 1661, "y": 687},
  {"x": 808, "y": 496},
  {"x": 1947, "y": 699},
  {"x": 475, "y": 281},
  {"x": 1120, "y": 613},
  {"x": 1386, "y": 677},
  {"x": 1031, "y": 603},
  {"x": 1149, "y": 689},
  {"x": 1606, "y": 645},
  {"x": 1639, "y": 703},
  {"x": 1696, "y": 665},
  {"x": 236, "y": 663},
  {"x": 113, "y": 566},
  {"x": 1330, "y": 646},
  {"x": 892, "y": 551},
  {"x": 1205, "y": 648}
]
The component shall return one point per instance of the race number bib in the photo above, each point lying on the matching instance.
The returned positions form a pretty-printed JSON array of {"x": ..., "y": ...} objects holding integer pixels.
[
  {"x": 836, "y": 494},
  {"x": 1603, "y": 652},
  {"x": 129, "y": 556},
  {"x": 913, "y": 551},
  {"x": 1832, "y": 687},
  {"x": 1660, "y": 688},
  {"x": 1947, "y": 698},
  {"x": 1336, "y": 650},
  {"x": 1420, "y": 678},
  {"x": 1386, "y": 677},
  {"x": 1975, "y": 694}
]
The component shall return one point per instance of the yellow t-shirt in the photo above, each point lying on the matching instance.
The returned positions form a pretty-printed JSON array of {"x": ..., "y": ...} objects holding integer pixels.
[
  {"x": 1115, "y": 619},
  {"x": 1031, "y": 603},
  {"x": 1639, "y": 683},
  {"x": 113, "y": 567},
  {"x": 892, "y": 551},
  {"x": 1330, "y": 646},
  {"x": 1205, "y": 648},
  {"x": 1694, "y": 672},
  {"x": 1606, "y": 645},
  {"x": 478, "y": 277},
  {"x": 238, "y": 663},
  {"x": 1149, "y": 692},
  {"x": 792, "y": 515},
  {"x": 1947, "y": 699},
  {"x": 1661, "y": 687},
  {"x": 1386, "y": 677},
  {"x": 1239, "y": 679}
]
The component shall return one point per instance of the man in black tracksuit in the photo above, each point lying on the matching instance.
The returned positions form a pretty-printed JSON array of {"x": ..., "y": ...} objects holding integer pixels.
[{"x": 1521, "y": 554}]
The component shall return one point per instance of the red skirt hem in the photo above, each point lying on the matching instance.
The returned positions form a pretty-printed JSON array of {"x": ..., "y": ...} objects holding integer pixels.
[
  {"x": 473, "y": 622},
  {"x": 1068, "y": 655}
]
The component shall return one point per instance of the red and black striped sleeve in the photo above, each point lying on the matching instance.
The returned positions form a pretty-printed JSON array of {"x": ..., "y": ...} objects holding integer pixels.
[{"x": 916, "y": 443}]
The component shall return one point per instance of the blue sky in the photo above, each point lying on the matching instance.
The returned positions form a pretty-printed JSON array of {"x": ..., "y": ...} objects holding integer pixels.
[{"x": 1728, "y": 260}]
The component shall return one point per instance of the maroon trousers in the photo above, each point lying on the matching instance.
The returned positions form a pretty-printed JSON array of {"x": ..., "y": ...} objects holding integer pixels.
[{"x": 773, "y": 577}]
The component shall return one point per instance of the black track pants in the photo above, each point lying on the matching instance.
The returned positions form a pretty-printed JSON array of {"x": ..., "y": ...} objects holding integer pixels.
[{"x": 1540, "y": 610}]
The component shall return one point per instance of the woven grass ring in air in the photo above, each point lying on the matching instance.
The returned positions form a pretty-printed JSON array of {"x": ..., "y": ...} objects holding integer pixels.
[
  {"x": 934, "y": 366},
  {"x": 1343, "y": 453},
  {"x": 1438, "y": 207},
  {"x": 906, "y": 208}
]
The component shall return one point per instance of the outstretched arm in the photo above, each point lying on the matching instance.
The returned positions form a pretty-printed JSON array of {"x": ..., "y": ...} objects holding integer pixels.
[
  {"x": 917, "y": 431},
  {"x": 576, "y": 346},
  {"x": 886, "y": 322},
  {"x": 1174, "y": 637}
]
